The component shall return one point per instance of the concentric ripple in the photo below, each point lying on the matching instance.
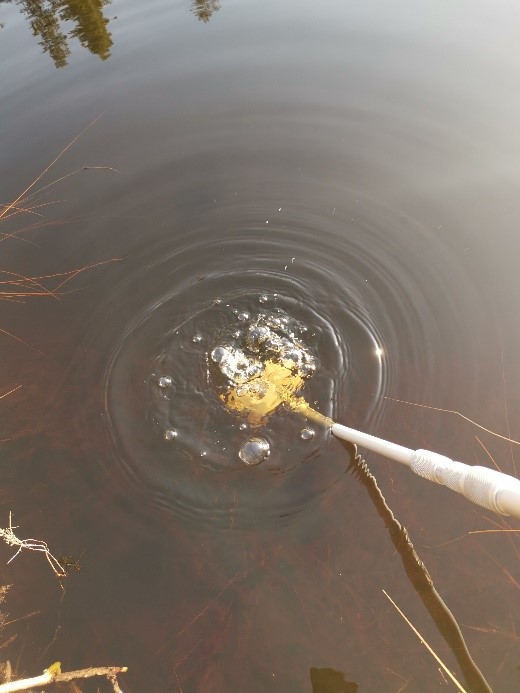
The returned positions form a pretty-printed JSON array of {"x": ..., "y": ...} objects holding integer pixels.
[
  {"x": 170, "y": 431},
  {"x": 235, "y": 337},
  {"x": 361, "y": 319}
]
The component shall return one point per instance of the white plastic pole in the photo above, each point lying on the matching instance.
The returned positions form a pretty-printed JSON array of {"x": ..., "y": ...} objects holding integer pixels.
[{"x": 487, "y": 487}]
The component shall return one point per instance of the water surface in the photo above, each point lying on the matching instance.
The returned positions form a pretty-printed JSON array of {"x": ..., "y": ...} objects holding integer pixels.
[{"x": 356, "y": 164}]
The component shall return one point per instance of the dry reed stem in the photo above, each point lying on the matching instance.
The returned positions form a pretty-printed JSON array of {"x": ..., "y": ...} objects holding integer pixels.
[
  {"x": 21, "y": 196},
  {"x": 19, "y": 287},
  {"x": 10, "y": 391},
  {"x": 423, "y": 642},
  {"x": 22, "y": 341},
  {"x": 452, "y": 411},
  {"x": 16, "y": 287}
]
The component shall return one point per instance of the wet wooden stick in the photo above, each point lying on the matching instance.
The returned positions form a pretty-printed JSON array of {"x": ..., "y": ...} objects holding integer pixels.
[
  {"x": 54, "y": 675},
  {"x": 419, "y": 576}
]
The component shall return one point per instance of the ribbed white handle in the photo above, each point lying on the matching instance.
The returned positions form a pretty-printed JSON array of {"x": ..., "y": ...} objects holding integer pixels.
[
  {"x": 486, "y": 487},
  {"x": 490, "y": 489}
]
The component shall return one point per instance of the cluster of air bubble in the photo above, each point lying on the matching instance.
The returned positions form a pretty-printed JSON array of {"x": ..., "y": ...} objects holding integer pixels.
[
  {"x": 238, "y": 358},
  {"x": 241, "y": 357},
  {"x": 235, "y": 364},
  {"x": 264, "y": 337},
  {"x": 272, "y": 336}
]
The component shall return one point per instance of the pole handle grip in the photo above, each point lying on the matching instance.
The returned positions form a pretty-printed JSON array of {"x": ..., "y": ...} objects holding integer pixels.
[{"x": 487, "y": 487}]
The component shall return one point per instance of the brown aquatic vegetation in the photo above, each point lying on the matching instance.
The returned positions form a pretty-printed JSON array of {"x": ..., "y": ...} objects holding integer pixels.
[
  {"x": 19, "y": 288},
  {"x": 15, "y": 286}
]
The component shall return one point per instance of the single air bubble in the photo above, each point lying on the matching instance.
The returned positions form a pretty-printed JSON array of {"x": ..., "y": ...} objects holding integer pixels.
[
  {"x": 218, "y": 354},
  {"x": 254, "y": 451},
  {"x": 263, "y": 299},
  {"x": 196, "y": 338},
  {"x": 243, "y": 427},
  {"x": 170, "y": 434},
  {"x": 307, "y": 434},
  {"x": 243, "y": 316},
  {"x": 165, "y": 381}
]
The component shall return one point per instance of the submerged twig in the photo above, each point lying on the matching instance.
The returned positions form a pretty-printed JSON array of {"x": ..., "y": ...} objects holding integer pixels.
[
  {"x": 423, "y": 641},
  {"x": 54, "y": 675},
  {"x": 419, "y": 576},
  {"x": 11, "y": 539}
]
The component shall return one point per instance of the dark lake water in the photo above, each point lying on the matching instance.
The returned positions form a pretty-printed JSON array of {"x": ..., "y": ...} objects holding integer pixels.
[{"x": 352, "y": 166}]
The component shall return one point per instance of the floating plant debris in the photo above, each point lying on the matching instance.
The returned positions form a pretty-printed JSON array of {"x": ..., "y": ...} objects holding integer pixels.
[
  {"x": 266, "y": 366},
  {"x": 263, "y": 393}
]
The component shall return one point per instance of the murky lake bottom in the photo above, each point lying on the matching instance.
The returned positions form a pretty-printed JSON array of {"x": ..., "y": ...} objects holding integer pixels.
[{"x": 345, "y": 176}]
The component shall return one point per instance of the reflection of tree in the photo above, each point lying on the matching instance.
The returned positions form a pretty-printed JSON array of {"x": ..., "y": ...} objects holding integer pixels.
[
  {"x": 90, "y": 26},
  {"x": 203, "y": 9},
  {"x": 45, "y": 24}
]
